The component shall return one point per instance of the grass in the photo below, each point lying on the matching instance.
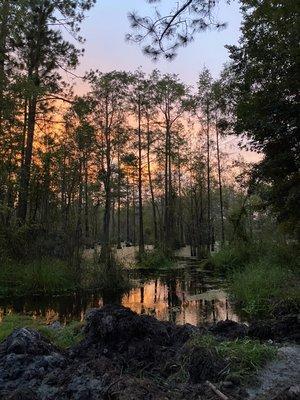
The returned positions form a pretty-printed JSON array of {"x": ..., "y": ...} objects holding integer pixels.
[
  {"x": 154, "y": 260},
  {"x": 263, "y": 277},
  {"x": 261, "y": 289},
  {"x": 64, "y": 337},
  {"x": 244, "y": 356},
  {"x": 37, "y": 277}
]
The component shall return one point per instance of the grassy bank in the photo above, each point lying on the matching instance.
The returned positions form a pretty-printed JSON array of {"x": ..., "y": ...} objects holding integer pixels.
[
  {"x": 244, "y": 356},
  {"x": 53, "y": 276},
  {"x": 42, "y": 276},
  {"x": 63, "y": 337},
  {"x": 263, "y": 279}
]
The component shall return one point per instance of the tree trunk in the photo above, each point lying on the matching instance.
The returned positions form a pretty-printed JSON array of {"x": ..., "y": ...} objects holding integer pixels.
[
  {"x": 119, "y": 202},
  {"x": 220, "y": 188},
  {"x": 3, "y": 40},
  {"x": 26, "y": 166},
  {"x": 86, "y": 199},
  {"x": 151, "y": 185},
  {"x": 208, "y": 179},
  {"x": 140, "y": 184}
]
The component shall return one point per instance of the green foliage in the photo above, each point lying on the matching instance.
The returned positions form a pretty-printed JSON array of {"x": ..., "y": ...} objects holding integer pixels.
[
  {"x": 244, "y": 356},
  {"x": 64, "y": 337},
  {"x": 109, "y": 277},
  {"x": 39, "y": 276},
  {"x": 233, "y": 256},
  {"x": 154, "y": 259},
  {"x": 266, "y": 109},
  {"x": 262, "y": 288},
  {"x": 263, "y": 277}
]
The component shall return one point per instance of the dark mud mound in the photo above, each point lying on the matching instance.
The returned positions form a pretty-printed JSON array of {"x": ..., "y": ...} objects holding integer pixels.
[
  {"x": 286, "y": 328},
  {"x": 229, "y": 330},
  {"x": 122, "y": 356}
]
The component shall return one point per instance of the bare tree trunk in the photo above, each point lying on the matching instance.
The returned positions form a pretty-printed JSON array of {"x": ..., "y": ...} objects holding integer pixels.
[
  {"x": 151, "y": 185},
  {"x": 26, "y": 166},
  {"x": 4, "y": 10},
  {"x": 86, "y": 198},
  {"x": 208, "y": 179},
  {"x": 140, "y": 184},
  {"x": 127, "y": 212},
  {"x": 133, "y": 215},
  {"x": 119, "y": 203},
  {"x": 220, "y": 188},
  {"x": 78, "y": 233},
  {"x": 105, "y": 250}
]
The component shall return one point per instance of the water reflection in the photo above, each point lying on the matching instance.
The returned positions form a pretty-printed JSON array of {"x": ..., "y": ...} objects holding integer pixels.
[{"x": 185, "y": 295}]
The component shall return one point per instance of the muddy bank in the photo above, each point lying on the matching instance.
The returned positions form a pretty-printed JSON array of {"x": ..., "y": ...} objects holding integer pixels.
[{"x": 122, "y": 356}]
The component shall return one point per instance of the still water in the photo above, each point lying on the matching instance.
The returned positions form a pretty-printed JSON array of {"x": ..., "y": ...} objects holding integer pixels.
[{"x": 187, "y": 294}]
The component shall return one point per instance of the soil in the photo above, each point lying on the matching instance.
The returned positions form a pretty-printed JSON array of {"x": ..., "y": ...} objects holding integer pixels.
[{"x": 123, "y": 356}]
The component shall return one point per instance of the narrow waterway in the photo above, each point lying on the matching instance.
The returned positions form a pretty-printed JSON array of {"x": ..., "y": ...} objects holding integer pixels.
[{"x": 186, "y": 294}]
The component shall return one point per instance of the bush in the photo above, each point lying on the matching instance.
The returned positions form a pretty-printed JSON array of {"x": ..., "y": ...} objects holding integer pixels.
[
  {"x": 108, "y": 277},
  {"x": 234, "y": 256},
  {"x": 154, "y": 259}
]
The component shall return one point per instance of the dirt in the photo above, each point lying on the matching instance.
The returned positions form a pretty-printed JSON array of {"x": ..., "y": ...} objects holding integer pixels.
[
  {"x": 123, "y": 356},
  {"x": 280, "y": 379}
]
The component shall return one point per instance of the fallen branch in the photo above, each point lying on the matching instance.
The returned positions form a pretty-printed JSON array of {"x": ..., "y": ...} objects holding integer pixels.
[{"x": 217, "y": 391}]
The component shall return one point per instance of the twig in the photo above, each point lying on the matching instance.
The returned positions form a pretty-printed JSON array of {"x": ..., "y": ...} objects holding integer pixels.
[{"x": 217, "y": 391}]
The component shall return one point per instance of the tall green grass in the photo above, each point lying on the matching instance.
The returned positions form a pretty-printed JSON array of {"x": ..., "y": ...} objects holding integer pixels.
[
  {"x": 263, "y": 289},
  {"x": 244, "y": 356},
  {"x": 39, "y": 276},
  {"x": 263, "y": 277}
]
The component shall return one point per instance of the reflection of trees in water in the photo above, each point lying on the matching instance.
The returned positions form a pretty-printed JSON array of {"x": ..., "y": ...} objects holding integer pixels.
[
  {"x": 64, "y": 308},
  {"x": 174, "y": 302},
  {"x": 176, "y": 285}
]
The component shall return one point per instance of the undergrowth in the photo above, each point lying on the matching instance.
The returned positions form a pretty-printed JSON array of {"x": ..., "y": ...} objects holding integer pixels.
[
  {"x": 36, "y": 277},
  {"x": 263, "y": 277},
  {"x": 244, "y": 356},
  {"x": 64, "y": 337},
  {"x": 154, "y": 259}
]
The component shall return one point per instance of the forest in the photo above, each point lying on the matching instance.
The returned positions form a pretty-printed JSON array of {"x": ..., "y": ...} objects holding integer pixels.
[{"x": 142, "y": 256}]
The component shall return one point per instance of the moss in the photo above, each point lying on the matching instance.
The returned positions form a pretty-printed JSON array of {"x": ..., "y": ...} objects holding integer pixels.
[{"x": 64, "y": 337}]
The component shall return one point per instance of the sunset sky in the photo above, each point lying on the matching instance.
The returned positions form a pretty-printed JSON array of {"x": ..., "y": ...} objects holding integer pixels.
[
  {"x": 106, "y": 25},
  {"x": 106, "y": 49}
]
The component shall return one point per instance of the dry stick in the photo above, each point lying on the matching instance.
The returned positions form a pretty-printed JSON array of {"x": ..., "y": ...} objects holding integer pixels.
[{"x": 217, "y": 391}]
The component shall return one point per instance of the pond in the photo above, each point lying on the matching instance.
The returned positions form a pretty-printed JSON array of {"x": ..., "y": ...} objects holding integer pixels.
[{"x": 185, "y": 294}]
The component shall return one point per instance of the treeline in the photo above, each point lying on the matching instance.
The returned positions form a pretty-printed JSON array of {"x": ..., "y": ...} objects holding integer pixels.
[{"x": 139, "y": 158}]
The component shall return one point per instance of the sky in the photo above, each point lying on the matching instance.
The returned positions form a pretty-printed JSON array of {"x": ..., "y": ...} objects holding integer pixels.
[
  {"x": 106, "y": 49},
  {"x": 106, "y": 24}
]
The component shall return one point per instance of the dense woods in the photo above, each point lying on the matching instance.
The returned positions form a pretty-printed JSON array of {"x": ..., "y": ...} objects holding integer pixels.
[
  {"x": 147, "y": 162},
  {"x": 140, "y": 158}
]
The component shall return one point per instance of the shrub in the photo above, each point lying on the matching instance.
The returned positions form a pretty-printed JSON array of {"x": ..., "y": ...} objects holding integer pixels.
[
  {"x": 108, "y": 277},
  {"x": 154, "y": 259}
]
